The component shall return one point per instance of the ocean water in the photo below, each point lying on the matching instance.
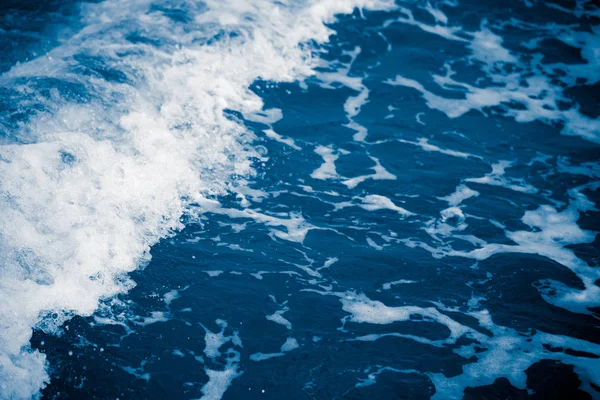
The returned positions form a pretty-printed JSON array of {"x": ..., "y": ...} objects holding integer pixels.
[{"x": 300, "y": 199}]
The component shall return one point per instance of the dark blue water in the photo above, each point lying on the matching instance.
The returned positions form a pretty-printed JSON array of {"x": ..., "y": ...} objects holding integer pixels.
[{"x": 255, "y": 199}]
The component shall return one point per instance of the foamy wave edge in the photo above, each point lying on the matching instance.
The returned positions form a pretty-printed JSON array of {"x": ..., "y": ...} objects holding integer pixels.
[{"x": 98, "y": 181}]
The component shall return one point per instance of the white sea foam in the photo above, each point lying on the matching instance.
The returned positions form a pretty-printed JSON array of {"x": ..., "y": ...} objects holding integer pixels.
[
  {"x": 533, "y": 89},
  {"x": 353, "y": 104},
  {"x": 327, "y": 170},
  {"x": 295, "y": 225},
  {"x": 364, "y": 310},
  {"x": 506, "y": 353},
  {"x": 551, "y": 231},
  {"x": 278, "y": 317},
  {"x": 372, "y": 377},
  {"x": 289, "y": 345},
  {"x": 374, "y": 202},
  {"x": 587, "y": 169},
  {"x": 379, "y": 173},
  {"x": 138, "y": 372},
  {"x": 105, "y": 179},
  {"x": 278, "y": 138},
  {"x": 461, "y": 194},
  {"x": 441, "y": 27},
  {"x": 487, "y": 47},
  {"x": 498, "y": 178},
  {"x": 388, "y": 285},
  {"x": 424, "y": 144},
  {"x": 220, "y": 379}
]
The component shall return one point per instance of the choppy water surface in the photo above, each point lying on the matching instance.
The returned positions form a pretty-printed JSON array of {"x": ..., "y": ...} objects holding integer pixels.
[{"x": 300, "y": 199}]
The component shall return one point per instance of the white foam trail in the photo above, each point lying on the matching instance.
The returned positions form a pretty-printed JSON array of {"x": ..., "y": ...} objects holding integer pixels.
[
  {"x": 326, "y": 170},
  {"x": 534, "y": 89},
  {"x": 388, "y": 285},
  {"x": 441, "y": 27},
  {"x": 278, "y": 317},
  {"x": 509, "y": 353},
  {"x": 295, "y": 226},
  {"x": 487, "y": 47},
  {"x": 380, "y": 173},
  {"x": 353, "y": 104},
  {"x": 278, "y": 138},
  {"x": 586, "y": 169},
  {"x": 497, "y": 178},
  {"x": 375, "y": 202},
  {"x": 138, "y": 372},
  {"x": 424, "y": 144},
  {"x": 289, "y": 345},
  {"x": 364, "y": 310},
  {"x": 220, "y": 379},
  {"x": 108, "y": 177},
  {"x": 505, "y": 353},
  {"x": 461, "y": 194},
  {"x": 551, "y": 232}
]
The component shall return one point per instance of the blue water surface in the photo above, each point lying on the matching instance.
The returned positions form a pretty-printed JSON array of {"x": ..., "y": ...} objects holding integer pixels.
[{"x": 418, "y": 219}]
